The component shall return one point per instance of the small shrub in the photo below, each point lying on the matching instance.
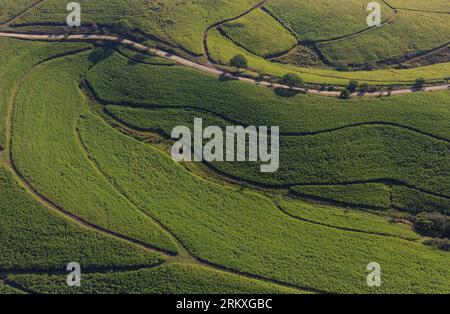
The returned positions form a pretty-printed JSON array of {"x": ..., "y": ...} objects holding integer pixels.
[
  {"x": 352, "y": 86},
  {"x": 292, "y": 80},
  {"x": 239, "y": 61},
  {"x": 345, "y": 94},
  {"x": 433, "y": 224}
]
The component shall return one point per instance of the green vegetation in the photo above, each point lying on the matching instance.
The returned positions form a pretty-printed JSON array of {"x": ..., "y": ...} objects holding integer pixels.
[
  {"x": 169, "y": 278},
  {"x": 239, "y": 62},
  {"x": 221, "y": 50},
  {"x": 410, "y": 32},
  {"x": 414, "y": 202},
  {"x": 34, "y": 237},
  {"x": 11, "y": 8},
  {"x": 366, "y": 195},
  {"x": 292, "y": 80},
  {"x": 313, "y": 20},
  {"x": 260, "y": 34},
  {"x": 433, "y": 224},
  {"x": 16, "y": 57},
  {"x": 47, "y": 153},
  {"x": 430, "y": 5},
  {"x": 220, "y": 225},
  {"x": 117, "y": 82},
  {"x": 181, "y": 23},
  {"x": 4, "y": 289},
  {"x": 347, "y": 219}
]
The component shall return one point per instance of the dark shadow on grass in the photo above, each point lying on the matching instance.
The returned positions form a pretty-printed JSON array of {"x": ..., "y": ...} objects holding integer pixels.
[{"x": 283, "y": 92}]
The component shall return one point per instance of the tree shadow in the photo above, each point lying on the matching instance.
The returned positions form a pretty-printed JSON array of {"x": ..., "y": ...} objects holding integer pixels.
[{"x": 283, "y": 92}]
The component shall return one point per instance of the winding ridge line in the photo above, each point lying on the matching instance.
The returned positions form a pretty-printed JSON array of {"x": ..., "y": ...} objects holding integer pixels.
[{"x": 208, "y": 68}]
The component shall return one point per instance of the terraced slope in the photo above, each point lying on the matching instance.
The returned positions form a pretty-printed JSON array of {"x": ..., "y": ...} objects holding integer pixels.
[
  {"x": 430, "y": 5},
  {"x": 166, "y": 279},
  {"x": 47, "y": 154}
]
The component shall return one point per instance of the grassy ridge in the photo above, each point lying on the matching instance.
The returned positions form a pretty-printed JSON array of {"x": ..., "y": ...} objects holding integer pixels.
[
  {"x": 47, "y": 153},
  {"x": 16, "y": 58},
  {"x": 165, "y": 279},
  {"x": 181, "y": 23},
  {"x": 408, "y": 33},
  {"x": 347, "y": 219},
  {"x": 114, "y": 80},
  {"x": 259, "y": 33},
  {"x": 33, "y": 237},
  {"x": 246, "y": 232}
]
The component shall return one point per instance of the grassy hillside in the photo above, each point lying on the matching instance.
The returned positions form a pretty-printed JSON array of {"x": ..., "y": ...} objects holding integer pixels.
[
  {"x": 221, "y": 50},
  {"x": 259, "y": 33},
  {"x": 430, "y": 5},
  {"x": 224, "y": 232},
  {"x": 47, "y": 152},
  {"x": 408, "y": 33},
  {"x": 115, "y": 81},
  {"x": 16, "y": 58},
  {"x": 180, "y": 23},
  {"x": 346, "y": 219},
  {"x": 314, "y": 20},
  {"x": 11, "y": 8},
  {"x": 33, "y": 237},
  {"x": 169, "y": 278}
]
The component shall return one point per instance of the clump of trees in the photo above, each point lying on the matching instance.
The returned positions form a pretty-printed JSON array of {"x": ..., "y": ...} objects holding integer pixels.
[
  {"x": 419, "y": 83},
  {"x": 433, "y": 224},
  {"x": 292, "y": 80},
  {"x": 352, "y": 86}
]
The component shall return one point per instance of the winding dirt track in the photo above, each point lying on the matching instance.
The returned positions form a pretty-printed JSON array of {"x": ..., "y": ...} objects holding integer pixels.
[{"x": 207, "y": 68}]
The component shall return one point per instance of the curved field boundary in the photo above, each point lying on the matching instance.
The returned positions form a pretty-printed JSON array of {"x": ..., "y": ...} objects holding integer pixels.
[
  {"x": 218, "y": 23},
  {"x": 207, "y": 68},
  {"x": 339, "y": 228}
]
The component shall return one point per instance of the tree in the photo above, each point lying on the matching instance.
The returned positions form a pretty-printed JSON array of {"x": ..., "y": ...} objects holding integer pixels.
[
  {"x": 345, "y": 94},
  {"x": 239, "y": 62},
  {"x": 352, "y": 85},
  {"x": 93, "y": 28},
  {"x": 364, "y": 88},
  {"x": 292, "y": 80},
  {"x": 123, "y": 27},
  {"x": 419, "y": 83}
]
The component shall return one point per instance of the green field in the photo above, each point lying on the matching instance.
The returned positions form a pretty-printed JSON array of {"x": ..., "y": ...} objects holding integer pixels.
[
  {"x": 410, "y": 32},
  {"x": 122, "y": 160},
  {"x": 314, "y": 20},
  {"x": 87, "y": 176},
  {"x": 181, "y": 23},
  {"x": 169, "y": 278},
  {"x": 33, "y": 238},
  {"x": 45, "y": 124},
  {"x": 11, "y": 8}
]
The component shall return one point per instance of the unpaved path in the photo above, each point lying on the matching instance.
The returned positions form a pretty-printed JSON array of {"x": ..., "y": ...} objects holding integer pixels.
[{"x": 207, "y": 68}]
